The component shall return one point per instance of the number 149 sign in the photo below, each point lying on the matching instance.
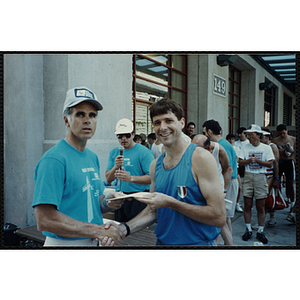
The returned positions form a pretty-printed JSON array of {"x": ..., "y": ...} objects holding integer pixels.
[{"x": 219, "y": 86}]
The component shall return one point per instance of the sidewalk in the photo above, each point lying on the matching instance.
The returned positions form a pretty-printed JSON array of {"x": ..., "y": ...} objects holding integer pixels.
[{"x": 283, "y": 234}]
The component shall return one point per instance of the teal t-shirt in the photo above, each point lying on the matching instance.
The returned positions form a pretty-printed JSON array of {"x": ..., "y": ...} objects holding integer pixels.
[
  {"x": 70, "y": 180},
  {"x": 231, "y": 156},
  {"x": 137, "y": 161}
]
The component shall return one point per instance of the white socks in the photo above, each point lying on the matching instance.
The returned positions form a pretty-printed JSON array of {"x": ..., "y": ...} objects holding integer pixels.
[
  {"x": 260, "y": 229},
  {"x": 248, "y": 226}
]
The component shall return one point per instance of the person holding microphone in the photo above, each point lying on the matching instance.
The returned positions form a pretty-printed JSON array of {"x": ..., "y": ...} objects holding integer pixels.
[{"x": 130, "y": 164}]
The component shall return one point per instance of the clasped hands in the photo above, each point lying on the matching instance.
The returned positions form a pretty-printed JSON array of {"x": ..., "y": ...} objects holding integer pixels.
[{"x": 153, "y": 200}]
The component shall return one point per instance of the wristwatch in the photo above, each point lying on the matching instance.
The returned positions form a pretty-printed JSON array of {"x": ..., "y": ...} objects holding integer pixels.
[{"x": 127, "y": 229}]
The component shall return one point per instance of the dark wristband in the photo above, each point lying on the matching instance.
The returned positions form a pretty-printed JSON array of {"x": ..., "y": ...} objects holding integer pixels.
[
  {"x": 127, "y": 229},
  {"x": 276, "y": 177}
]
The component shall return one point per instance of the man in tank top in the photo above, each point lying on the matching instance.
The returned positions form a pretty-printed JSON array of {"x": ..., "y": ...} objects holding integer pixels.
[
  {"x": 186, "y": 214},
  {"x": 222, "y": 160}
]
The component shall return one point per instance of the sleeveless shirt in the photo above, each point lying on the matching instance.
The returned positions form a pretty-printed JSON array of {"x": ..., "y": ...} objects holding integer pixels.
[
  {"x": 215, "y": 154},
  {"x": 174, "y": 228},
  {"x": 270, "y": 171}
]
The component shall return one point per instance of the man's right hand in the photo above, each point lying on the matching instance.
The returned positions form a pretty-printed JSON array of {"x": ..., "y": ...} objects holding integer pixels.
[
  {"x": 113, "y": 235},
  {"x": 119, "y": 161}
]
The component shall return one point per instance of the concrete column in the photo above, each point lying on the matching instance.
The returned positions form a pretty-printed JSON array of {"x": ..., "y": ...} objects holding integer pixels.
[{"x": 23, "y": 137}]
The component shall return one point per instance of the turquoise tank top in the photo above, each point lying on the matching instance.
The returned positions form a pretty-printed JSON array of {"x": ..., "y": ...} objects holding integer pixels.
[{"x": 173, "y": 228}]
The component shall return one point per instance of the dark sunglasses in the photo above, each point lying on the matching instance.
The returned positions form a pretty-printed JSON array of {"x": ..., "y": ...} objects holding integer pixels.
[{"x": 127, "y": 135}]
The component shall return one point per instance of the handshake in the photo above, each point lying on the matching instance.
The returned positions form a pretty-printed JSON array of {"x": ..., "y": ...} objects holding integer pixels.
[{"x": 112, "y": 234}]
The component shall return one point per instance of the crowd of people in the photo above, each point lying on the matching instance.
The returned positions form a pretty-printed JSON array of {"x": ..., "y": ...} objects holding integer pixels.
[{"x": 191, "y": 183}]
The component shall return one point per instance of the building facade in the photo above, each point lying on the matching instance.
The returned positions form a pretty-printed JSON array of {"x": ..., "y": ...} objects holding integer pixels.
[{"x": 35, "y": 86}]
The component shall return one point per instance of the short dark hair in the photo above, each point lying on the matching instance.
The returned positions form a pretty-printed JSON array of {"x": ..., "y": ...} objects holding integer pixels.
[
  {"x": 230, "y": 136},
  {"x": 207, "y": 142},
  {"x": 213, "y": 125},
  {"x": 241, "y": 130},
  {"x": 190, "y": 123},
  {"x": 165, "y": 106},
  {"x": 281, "y": 127},
  {"x": 152, "y": 136},
  {"x": 137, "y": 136}
]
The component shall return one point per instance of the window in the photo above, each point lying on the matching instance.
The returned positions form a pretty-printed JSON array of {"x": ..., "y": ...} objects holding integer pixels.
[
  {"x": 287, "y": 110},
  {"x": 234, "y": 99},
  {"x": 157, "y": 76},
  {"x": 269, "y": 106}
]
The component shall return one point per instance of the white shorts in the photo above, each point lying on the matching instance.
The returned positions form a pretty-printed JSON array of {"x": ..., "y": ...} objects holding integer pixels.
[
  {"x": 232, "y": 192},
  {"x": 53, "y": 242}
]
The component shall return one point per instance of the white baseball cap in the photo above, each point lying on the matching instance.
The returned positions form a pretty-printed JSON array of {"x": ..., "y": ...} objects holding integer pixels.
[
  {"x": 254, "y": 128},
  {"x": 124, "y": 126},
  {"x": 266, "y": 132},
  {"x": 81, "y": 94}
]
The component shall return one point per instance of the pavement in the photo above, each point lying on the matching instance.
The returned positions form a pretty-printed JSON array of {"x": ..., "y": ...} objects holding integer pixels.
[{"x": 283, "y": 234}]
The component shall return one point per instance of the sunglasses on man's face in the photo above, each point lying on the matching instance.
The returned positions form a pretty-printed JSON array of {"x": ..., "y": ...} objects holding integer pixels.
[{"x": 127, "y": 135}]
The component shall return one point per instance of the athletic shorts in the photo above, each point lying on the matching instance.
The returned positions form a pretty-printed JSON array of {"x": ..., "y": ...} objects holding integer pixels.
[
  {"x": 255, "y": 185},
  {"x": 287, "y": 166},
  {"x": 232, "y": 192}
]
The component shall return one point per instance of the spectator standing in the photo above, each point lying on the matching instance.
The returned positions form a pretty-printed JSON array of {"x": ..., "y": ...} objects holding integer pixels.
[
  {"x": 287, "y": 149},
  {"x": 132, "y": 169},
  {"x": 239, "y": 143},
  {"x": 256, "y": 157},
  {"x": 151, "y": 139},
  {"x": 242, "y": 138},
  {"x": 138, "y": 139},
  {"x": 190, "y": 129},
  {"x": 213, "y": 130},
  {"x": 68, "y": 196},
  {"x": 271, "y": 173},
  {"x": 231, "y": 139}
]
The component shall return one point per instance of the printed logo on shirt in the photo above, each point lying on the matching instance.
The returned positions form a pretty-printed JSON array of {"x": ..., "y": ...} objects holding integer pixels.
[
  {"x": 88, "y": 188},
  {"x": 127, "y": 162},
  {"x": 84, "y": 170},
  {"x": 96, "y": 177},
  {"x": 182, "y": 191},
  {"x": 256, "y": 166}
]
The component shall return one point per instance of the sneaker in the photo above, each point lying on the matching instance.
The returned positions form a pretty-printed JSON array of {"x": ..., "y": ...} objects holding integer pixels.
[
  {"x": 238, "y": 208},
  {"x": 272, "y": 222},
  {"x": 291, "y": 219},
  {"x": 247, "y": 235},
  {"x": 262, "y": 238}
]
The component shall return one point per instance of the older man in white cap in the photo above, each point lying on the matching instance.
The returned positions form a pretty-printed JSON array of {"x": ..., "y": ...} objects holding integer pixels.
[
  {"x": 68, "y": 196},
  {"x": 130, "y": 164},
  {"x": 257, "y": 158}
]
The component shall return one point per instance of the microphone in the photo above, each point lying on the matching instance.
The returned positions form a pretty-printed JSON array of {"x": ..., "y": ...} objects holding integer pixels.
[{"x": 121, "y": 149}]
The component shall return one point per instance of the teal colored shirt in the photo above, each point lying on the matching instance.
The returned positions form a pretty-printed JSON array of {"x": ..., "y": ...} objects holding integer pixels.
[
  {"x": 231, "y": 156},
  {"x": 137, "y": 161},
  {"x": 70, "y": 180}
]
